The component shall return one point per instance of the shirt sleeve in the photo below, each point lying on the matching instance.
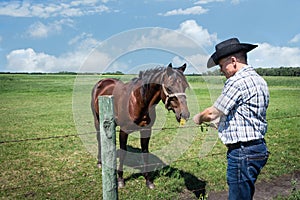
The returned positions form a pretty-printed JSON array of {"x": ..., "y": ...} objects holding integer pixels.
[{"x": 229, "y": 97}]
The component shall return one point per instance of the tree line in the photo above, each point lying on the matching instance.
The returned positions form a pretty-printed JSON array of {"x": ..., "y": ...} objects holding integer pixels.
[{"x": 281, "y": 71}]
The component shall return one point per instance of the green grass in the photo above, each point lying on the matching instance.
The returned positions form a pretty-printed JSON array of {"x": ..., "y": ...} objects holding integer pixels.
[{"x": 42, "y": 106}]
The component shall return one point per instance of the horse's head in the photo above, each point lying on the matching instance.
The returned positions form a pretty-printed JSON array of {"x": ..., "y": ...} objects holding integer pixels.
[{"x": 173, "y": 94}]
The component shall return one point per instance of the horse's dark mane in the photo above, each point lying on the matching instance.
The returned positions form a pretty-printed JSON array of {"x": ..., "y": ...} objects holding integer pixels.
[
  {"x": 154, "y": 75},
  {"x": 147, "y": 77},
  {"x": 151, "y": 75}
]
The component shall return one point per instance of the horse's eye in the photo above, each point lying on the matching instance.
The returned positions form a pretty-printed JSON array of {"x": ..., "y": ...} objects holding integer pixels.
[{"x": 169, "y": 90}]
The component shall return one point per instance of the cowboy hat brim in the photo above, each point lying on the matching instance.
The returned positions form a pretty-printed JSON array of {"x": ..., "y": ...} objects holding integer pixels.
[{"x": 228, "y": 50}]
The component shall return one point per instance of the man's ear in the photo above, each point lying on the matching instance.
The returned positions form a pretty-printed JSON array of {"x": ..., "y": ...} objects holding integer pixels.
[{"x": 233, "y": 61}]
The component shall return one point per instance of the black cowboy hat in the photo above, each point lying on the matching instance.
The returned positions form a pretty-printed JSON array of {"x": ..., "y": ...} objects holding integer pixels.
[{"x": 227, "y": 48}]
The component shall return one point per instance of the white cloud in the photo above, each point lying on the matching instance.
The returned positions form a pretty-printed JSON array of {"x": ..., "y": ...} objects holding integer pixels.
[
  {"x": 207, "y": 1},
  {"x": 295, "y": 39},
  {"x": 178, "y": 38},
  {"x": 235, "y": 2},
  {"x": 201, "y": 2},
  {"x": 79, "y": 38},
  {"x": 15, "y": 9},
  {"x": 45, "y": 10},
  {"x": 199, "y": 61},
  {"x": 196, "y": 63},
  {"x": 196, "y": 10},
  {"x": 177, "y": 61},
  {"x": 165, "y": 39},
  {"x": 40, "y": 30},
  {"x": 88, "y": 43},
  {"x": 267, "y": 55},
  {"x": 28, "y": 60},
  {"x": 198, "y": 33}
]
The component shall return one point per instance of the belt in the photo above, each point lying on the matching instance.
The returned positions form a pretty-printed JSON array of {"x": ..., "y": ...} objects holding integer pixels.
[{"x": 245, "y": 144}]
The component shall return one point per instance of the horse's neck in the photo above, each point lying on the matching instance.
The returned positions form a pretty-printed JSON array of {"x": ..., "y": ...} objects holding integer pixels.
[
  {"x": 155, "y": 97},
  {"x": 150, "y": 94},
  {"x": 154, "y": 87}
]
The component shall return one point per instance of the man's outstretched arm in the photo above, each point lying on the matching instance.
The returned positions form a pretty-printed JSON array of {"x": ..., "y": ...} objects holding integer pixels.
[{"x": 207, "y": 115}]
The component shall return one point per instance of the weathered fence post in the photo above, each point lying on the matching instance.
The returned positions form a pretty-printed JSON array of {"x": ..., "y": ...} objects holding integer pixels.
[{"x": 108, "y": 147}]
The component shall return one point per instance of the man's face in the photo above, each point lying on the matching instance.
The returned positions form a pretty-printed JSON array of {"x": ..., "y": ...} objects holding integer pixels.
[{"x": 228, "y": 66}]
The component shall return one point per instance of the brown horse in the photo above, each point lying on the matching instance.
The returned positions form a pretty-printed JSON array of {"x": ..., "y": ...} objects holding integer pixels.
[{"x": 134, "y": 107}]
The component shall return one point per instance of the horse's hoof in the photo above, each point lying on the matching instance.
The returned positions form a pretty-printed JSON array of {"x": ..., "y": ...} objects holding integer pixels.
[
  {"x": 99, "y": 165},
  {"x": 121, "y": 183},
  {"x": 150, "y": 185}
]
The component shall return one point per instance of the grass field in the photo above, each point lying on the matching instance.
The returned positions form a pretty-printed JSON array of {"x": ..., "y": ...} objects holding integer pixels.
[{"x": 42, "y": 156}]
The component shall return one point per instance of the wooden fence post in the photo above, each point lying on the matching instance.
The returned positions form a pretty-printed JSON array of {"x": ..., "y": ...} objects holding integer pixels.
[{"x": 108, "y": 147}]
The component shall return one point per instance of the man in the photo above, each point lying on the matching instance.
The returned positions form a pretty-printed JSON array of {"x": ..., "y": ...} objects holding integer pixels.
[{"x": 241, "y": 108}]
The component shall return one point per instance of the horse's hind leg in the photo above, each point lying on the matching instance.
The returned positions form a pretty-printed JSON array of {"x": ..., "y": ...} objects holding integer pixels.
[
  {"x": 145, "y": 138},
  {"x": 99, "y": 162},
  {"x": 123, "y": 137},
  {"x": 95, "y": 111}
]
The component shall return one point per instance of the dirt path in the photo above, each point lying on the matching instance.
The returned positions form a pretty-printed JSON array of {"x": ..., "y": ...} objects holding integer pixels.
[{"x": 280, "y": 186}]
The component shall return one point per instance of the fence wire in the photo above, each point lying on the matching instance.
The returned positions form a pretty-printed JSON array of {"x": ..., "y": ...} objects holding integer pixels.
[{"x": 204, "y": 125}]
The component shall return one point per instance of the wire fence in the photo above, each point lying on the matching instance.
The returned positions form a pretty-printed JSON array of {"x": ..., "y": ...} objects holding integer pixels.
[
  {"x": 47, "y": 183},
  {"x": 203, "y": 126}
]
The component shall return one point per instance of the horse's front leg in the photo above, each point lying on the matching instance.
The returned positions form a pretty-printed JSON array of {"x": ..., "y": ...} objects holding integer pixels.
[
  {"x": 145, "y": 138},
  {"x": 123, "y": 137}
]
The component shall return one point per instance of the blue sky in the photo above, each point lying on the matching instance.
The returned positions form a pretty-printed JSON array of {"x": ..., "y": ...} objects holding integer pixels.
[{"x": 110, "y": 35}]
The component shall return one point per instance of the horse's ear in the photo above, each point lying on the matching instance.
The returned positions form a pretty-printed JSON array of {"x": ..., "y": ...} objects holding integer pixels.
[
  {"x": 183, "y": 67},
  {"x": 169, "y": 69}
]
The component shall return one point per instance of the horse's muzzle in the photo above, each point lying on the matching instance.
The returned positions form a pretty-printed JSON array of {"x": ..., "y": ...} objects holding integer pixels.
[{"x": 183, "y": 115}]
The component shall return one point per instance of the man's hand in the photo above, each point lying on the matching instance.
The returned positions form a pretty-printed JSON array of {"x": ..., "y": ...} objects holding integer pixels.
[{"x": 196, "y": 119}]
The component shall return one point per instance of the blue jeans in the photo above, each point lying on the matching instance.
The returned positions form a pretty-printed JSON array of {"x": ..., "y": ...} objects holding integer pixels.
[{"x": 244, "y": 165}]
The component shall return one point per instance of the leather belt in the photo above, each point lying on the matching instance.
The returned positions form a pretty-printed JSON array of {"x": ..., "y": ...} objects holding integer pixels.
[{"x": 245, "y": 144}]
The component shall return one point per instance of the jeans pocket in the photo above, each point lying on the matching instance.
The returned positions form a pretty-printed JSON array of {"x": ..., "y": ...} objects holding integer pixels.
[
  {"x": 233, "y": 167},
  {"x": 255, "y": 163}
]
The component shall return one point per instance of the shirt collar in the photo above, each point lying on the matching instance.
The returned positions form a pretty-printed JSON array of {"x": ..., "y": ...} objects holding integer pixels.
[{"x": 243, "y": 69}]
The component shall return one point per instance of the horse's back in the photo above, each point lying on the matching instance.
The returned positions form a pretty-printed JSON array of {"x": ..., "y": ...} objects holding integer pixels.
[{"x": 102, "y": 87}]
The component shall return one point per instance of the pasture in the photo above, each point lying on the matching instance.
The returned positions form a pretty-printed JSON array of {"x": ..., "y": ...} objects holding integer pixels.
[{"x": 44, "y": 156}]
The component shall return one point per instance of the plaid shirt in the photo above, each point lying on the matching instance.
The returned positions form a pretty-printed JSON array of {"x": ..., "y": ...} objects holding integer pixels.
[{"x": 244, "y": 102}]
